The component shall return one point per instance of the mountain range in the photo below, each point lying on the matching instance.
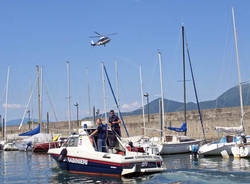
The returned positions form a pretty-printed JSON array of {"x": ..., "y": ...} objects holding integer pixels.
[{"x": 230, "y": 98}]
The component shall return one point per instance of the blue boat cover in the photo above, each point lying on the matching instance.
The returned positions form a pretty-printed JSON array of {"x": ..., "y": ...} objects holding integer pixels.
[
  {"x": 182, "y": 129},
  {"x": 32, "y": 132}
]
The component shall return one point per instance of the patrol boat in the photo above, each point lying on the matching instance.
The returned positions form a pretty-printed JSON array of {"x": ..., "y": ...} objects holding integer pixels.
[{"x": 79, "y": 155}]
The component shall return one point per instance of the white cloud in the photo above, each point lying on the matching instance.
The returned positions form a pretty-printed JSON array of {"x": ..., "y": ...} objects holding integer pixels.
[
  {"x": 130, "y": 107},
  {"x": 13, "y": 106}
]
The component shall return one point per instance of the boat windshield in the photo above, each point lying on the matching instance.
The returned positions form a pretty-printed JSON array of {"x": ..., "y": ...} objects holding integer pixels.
[
  {"x": 71, "y": 142},
  {"x": 229, "y": 139}
]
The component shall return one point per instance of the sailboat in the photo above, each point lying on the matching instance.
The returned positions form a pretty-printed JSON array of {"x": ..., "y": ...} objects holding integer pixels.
[
  {"x": 242, "y": 147},
  {"x": 33, "y": 137},
  {"x": 141, "y": 143},
  {"x": 170, "y": 144},
  {"x": 235, "y": 134},
  {"x": 174, "y": 144},
  {"x": 3, "y": 142},
  {"x": 52, "y": 142},
  {"x": 7, "y": 146}
]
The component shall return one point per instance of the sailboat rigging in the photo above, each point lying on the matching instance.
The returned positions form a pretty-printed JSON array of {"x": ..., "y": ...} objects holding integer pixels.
[{"x": 227, "y": 143}]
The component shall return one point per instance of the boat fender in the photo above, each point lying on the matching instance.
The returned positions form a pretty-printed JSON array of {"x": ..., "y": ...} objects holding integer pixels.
[{"x": 62, "y": 155}]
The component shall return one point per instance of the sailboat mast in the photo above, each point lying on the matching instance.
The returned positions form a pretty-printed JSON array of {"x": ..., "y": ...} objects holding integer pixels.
[
  {"x": 142, "y": 102},
  {"x": 6, "y": 101},
  {"x": 87, "y": 76},
  {"x": 162, "y": 95},
  {"x": 184, "y": 75},
  {"x": 238, "y": 64},
  {"x": 38, "y": 95},
  {"x": 41, "y": 97},
  {"x": 32, "y": 110},
  {"x": 69, "y": 112},
  {"x": 104, "y": 94},
  {"x": 117, "y": 84}
]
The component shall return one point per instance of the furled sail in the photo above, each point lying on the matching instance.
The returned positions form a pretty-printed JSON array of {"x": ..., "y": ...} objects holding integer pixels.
[
  {"x": 182, "y": 129},
  {"x": 236, "y": 130},
  {"x": 32, "y": 132}
]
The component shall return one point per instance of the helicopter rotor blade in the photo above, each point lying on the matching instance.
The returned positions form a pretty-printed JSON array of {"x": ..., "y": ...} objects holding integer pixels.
[
  {"x": 111, "y": 34},
  {"x": 94, "y": 36},
  {"x": 98, "y": 33}
]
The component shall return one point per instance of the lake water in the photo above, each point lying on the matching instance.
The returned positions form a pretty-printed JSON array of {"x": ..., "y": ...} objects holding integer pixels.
[{"x": 27, "y": 167}]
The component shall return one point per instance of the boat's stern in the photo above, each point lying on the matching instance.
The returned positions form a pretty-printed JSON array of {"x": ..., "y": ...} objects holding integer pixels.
[{"x": 143, "y": 164}]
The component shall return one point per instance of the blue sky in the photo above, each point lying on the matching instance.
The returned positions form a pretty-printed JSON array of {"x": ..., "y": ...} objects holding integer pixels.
[{"x": 49, "y": 33}]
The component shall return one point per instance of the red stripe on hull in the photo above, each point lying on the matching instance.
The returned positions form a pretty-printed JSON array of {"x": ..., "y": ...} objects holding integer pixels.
[{"x": 96, "y": 161}]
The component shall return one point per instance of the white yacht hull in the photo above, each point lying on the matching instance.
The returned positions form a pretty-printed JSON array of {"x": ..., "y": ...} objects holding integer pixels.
[
  {"x": 215, "y": 149},
  {"x": 176, "y": 148},
  {"x": 241, "y": 151}
]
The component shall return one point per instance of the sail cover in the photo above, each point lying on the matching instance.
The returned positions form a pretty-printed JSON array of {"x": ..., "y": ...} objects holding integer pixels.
[
  {"x": 236, "y": 130},
  {"x": 32, "y": 132},
  {"x": 182, "y": 129}
]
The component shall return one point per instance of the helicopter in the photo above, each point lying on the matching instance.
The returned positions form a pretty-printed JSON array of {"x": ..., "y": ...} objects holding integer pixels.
[{"x": 103, "y": 39}]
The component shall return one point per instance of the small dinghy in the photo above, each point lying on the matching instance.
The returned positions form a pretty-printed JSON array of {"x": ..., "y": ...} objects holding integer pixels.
[{"x": 79, "y": 155}]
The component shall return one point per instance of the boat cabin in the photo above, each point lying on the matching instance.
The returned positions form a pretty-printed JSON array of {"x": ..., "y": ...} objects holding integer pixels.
[{"x": 78, "y": 140}]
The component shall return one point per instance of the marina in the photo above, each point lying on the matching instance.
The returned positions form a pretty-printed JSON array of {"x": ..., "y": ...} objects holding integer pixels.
[
  {"x": 133, "y": 92},
  {"x": 41, "y": 168}
]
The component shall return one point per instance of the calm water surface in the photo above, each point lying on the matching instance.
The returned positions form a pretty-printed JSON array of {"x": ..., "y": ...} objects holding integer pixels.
[{"x": 27, "y": 167}]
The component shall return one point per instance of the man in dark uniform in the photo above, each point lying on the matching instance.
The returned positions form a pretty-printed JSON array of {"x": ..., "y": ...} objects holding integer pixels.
[
  {"x": 114, "y": 122},
  {"x": 101, "y": 132}
]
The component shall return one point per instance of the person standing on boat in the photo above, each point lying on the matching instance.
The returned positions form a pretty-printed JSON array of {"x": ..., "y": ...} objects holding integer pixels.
[
  {"x": 115, "y": 121},
  {"x": 101, "y": 133}
]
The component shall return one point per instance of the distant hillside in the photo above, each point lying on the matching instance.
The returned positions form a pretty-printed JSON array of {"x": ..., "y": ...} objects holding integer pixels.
[{"x": 230, "y": 98}]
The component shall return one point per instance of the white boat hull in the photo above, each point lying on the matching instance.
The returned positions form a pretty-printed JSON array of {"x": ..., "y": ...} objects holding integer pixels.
[
  {"x": 241, "y": 151},
  {"x": 215, "y": 149},
  {"x": 177, "y": 148},
  {"x": 10, "y": 147},
  {"x": 81, "y": 157}
]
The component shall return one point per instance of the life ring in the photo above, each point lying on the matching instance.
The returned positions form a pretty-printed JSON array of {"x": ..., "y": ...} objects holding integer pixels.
[{"x": 62, "y": 155}]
